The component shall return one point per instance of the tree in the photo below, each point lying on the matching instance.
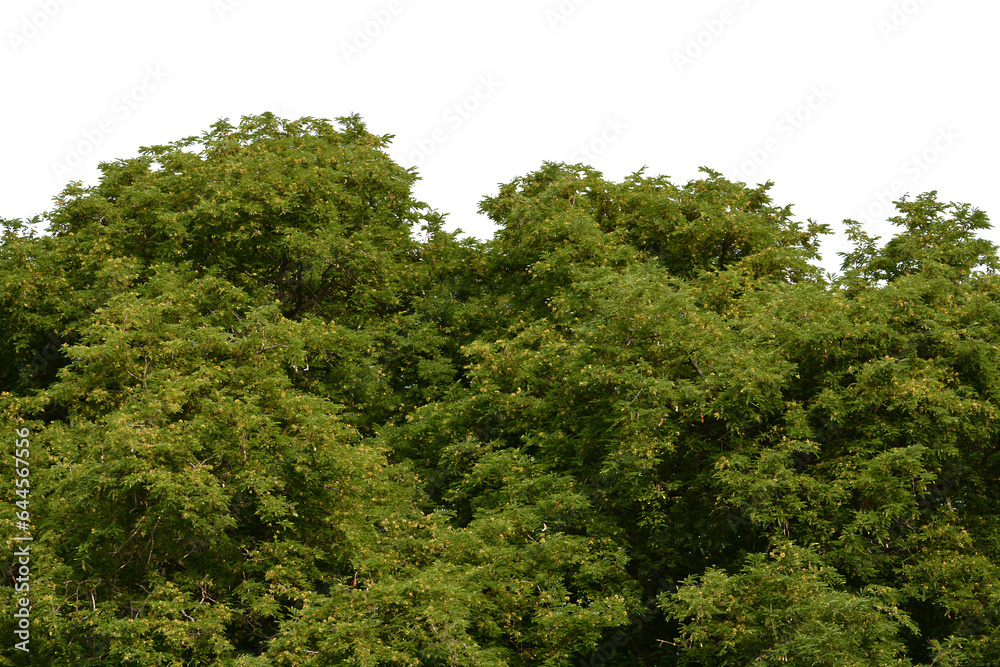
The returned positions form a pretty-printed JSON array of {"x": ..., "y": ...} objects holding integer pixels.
[
  {"x": 282, "y": 417},
  {"x": 785, "y": 607}
]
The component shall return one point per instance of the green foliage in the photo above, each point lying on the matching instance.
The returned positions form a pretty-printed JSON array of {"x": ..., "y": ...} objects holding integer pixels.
[
  {"x": 280, "y": 416},
  {"x": 785, "y": 607}
]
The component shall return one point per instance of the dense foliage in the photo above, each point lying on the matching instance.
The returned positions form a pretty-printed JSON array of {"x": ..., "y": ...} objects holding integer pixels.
[{"x": 280, "y": 416}]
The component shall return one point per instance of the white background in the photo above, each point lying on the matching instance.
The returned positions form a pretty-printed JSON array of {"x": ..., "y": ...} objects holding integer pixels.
[{"x": 670, "y": 85}]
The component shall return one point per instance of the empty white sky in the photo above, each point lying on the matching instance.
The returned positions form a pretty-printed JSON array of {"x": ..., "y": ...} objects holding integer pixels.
[{"x": 838, "y": 102}]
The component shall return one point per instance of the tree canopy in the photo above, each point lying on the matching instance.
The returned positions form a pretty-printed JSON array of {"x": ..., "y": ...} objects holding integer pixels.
[{"x": 280, "y": 416}]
